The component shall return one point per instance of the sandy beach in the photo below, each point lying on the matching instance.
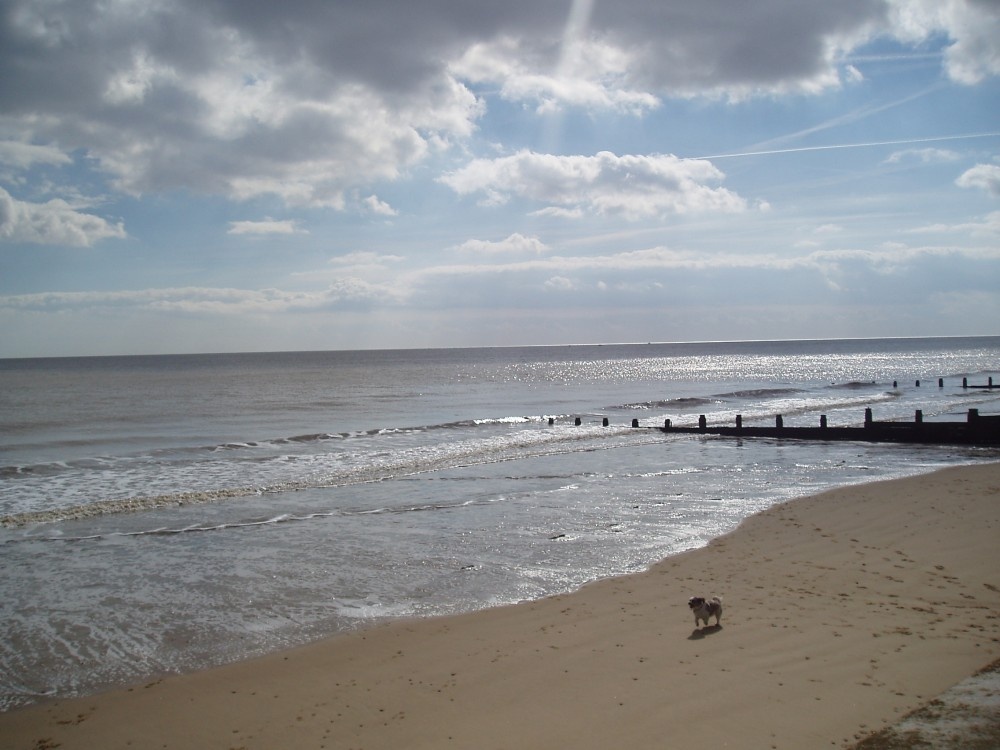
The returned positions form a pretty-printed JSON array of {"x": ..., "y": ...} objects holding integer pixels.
[{"x": 843, "y": 612}]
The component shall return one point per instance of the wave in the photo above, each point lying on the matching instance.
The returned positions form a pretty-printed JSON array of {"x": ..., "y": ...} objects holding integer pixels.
[
  {"x": 281, "y": 518},
  {"x": 758, "y": 393},
  {"x": 52, "y": 468},
  {"x": 308, "y": 446},
  {"x": 690, "y": 402},
  {"x": 401, "y": 430},
  {"x": 380, "y": 467},
  {"x": 508, "y": 420},
  {"x": 664, "y": 404},
  {"x": 271, "y": 448},
  {"x": 181, "y": 452},
  {"x": 164, "y": 531},
  {"x": 126, "y": 505},
  {"x": 821, "y": 405}
]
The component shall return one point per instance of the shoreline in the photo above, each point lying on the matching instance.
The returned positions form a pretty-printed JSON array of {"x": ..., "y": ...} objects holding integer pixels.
[{"x": 843, "y": 612}]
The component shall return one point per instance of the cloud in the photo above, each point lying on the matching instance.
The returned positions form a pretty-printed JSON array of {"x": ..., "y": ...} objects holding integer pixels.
[
  {"x": 26, "y": 155},
  {"x": 365, "y": 258},
  {"x": 656, "y": 275},
  {"x": 361, "y": 265},
  {"x": 364, "y": 263},
  {"x": 923, "y": 155},
  {"x": 53, "y": 223},
  {"x": 560, "y": 213},
  {"x": 852, "y": 74},
  {"x": 559, "y": 284},
  {"x": 307, "y": 101},
  {"x": 268, "y": 226},
  {"x": 972, "y": 27},
  {"x": 347, "y": 292},
  {"x": 211, "y": 98},
  {"x": 983, "y": 176},
  {"x": 604, "y": 184},
  {"x": 376, "y": 206},
  {"x": 989, "y": 226},
  {"x": 515, "y": 244},
  {"x": 646, "y": 265},
  {"x": 588, "y": 74}
]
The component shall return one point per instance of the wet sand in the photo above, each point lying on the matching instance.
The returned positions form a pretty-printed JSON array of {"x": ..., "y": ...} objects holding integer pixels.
[{"x": 843, "y": 612}]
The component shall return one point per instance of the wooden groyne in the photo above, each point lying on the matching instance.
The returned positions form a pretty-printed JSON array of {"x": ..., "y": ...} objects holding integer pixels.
[{"x": 975, "y": 430}]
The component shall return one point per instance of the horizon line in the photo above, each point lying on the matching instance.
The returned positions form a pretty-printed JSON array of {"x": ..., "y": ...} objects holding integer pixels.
[{"x": 791, "y": 340}]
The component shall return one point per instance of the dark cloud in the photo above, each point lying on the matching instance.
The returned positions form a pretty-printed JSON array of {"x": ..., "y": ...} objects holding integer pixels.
[{"x": 722, "y": 44}]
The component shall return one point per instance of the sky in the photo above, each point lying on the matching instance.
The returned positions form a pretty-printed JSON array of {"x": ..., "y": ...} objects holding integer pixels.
[{"x": 248, "y": 175}]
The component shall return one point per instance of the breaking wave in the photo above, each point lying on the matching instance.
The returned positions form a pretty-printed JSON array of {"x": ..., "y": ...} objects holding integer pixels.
[{"x": 384, "y": 466}]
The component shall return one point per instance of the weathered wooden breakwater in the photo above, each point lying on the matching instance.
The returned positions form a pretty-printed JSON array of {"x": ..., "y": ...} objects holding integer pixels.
[{"x": 977, "y": 429}]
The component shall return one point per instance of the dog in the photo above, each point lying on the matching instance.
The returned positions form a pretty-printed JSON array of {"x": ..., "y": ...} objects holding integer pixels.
[{"x": 704, "y": 608}]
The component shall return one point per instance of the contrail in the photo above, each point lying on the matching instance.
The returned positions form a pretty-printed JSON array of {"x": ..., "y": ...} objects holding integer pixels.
[{"x": 846, "y": 145}]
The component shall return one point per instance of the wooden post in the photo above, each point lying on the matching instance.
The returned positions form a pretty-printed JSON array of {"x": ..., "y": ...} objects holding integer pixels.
[
  {"x": 702, "y": 424},
  {"x": 779, "y": 421},
  {"x": 940, "y": 382},
  {"x": 666, "y": 424},
  {"x": 822, "y": 421},
  {"x": 965, "y": 382},
  {"x": 635, "y": 422},
  {"x": 895, "y": 384},
  {"x": 868, "y": 417},
  {"x": 552, "y": 421},
  {"x": 973, "y": 415},
  {"x": 604, "y": 421},
  {"x": 577, "y": 422},
  {"x": 918, "y": 417},
  {"x": 918, "y": 384},
  {"x": 739, "y": 421}
]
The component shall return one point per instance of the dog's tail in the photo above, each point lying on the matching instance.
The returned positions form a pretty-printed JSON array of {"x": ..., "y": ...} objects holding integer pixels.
[{"x": 717, "y": 599}]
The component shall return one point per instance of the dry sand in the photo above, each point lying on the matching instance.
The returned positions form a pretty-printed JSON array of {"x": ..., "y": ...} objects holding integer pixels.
[{"x": 843, "y": 612}]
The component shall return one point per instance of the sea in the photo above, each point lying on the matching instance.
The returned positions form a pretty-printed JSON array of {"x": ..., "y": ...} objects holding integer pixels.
[{"x": 163, "y": 514}]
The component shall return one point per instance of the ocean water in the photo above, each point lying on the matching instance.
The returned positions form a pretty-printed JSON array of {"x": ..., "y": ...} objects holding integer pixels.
[{"x": 163, "y": 514}]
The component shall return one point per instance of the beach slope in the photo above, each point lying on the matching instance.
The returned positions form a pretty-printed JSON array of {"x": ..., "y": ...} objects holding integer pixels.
[{"x": 843, "y": 611}]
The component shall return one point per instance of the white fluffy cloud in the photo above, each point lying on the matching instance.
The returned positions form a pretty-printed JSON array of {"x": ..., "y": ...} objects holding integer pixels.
[
  {"x": 207, "y": 98},
  {"x": 587, "y": 74},
  {"x": 606, "y": 184},
  {"x": 377, "y": 206},
  {"x": 267, "y": 226},
  {"x": 53, "y": 223},
  {"x": 25, "y": 155},
  {"x": 972, "y": 27},
  {"x": 515, "y": 244},
  {"x": 983, "y": 176}
]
